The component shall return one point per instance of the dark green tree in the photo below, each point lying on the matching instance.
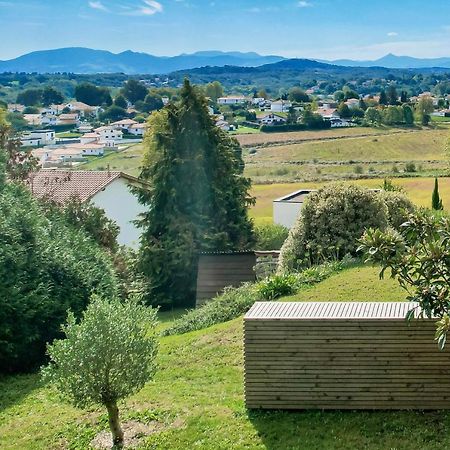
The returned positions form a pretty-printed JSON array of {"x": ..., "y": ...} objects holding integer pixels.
[
  {"x": 298, "y": 95},
  {"x": 30, "y": 97},
  {"x": 151, "y": 103},
  {"x": 198, "y": 200},
  {"x": 121, "y": 102},
  {"x": 408, "y": 115},
  {"x": 383, "y": 98},
  {"x": 392, "y": 95},
  {"x": 436, "y": 201},
  {"x": 92, "y": 95},
  {"x": 133, "y": 91},
  {"x": 403, "y": 97},
  {"x": 51, "y": 96},
  {"x": 114, "y": 113}
]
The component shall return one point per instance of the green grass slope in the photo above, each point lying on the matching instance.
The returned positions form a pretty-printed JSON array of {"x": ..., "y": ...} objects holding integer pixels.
[{"x": 196, "y": 400}]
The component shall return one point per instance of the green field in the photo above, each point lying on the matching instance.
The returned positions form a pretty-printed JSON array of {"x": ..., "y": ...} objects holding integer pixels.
[
  {"x": 196, "y": 400},
  {"x": 343, "y": 158}
]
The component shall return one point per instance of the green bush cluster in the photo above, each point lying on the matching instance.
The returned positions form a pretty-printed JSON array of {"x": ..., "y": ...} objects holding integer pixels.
[
  {"x": 334, "y": 218},
  {"x": 331, "y": 221},
  {"x": 270, "y": 236},
  {"x": 234, "y": 302},
  {"x": 46, "y": 268}
]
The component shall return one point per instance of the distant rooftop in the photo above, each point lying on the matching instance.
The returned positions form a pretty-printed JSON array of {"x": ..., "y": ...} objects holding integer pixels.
[{"x": 296, "y": 197}]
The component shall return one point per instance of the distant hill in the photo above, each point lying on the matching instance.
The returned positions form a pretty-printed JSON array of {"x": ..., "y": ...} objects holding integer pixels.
[
  {"x": 87, "y": 61},
  {"x": 396, "y": 62}
]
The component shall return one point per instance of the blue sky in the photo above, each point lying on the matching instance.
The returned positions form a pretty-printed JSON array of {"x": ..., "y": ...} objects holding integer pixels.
[{"x": 328, "y": 29}]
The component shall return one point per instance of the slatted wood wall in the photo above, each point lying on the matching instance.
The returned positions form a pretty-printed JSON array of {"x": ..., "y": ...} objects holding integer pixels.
[
  {"x": 216, "y": 271},
  {"x": 342, "y": 356}
]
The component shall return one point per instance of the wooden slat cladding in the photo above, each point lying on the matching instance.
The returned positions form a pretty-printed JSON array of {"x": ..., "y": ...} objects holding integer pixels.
[
  {"x": 342, "y": 356},
  {"x": 216, "y": 271}
]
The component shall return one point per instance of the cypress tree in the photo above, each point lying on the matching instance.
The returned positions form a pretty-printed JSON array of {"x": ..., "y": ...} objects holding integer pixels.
[
  {"x": 198, "y": 199},
  {"x": 383, "y": 98},
  {"x": 436, "y": 201}
]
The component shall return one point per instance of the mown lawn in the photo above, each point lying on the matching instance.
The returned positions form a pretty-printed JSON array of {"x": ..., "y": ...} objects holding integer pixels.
[{"x": 196, "y": 400}]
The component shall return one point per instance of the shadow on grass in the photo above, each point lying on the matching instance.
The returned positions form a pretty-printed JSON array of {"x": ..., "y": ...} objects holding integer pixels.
[
  {"x": 14, "y": 388},
  {"x": 349, "y": 430}
]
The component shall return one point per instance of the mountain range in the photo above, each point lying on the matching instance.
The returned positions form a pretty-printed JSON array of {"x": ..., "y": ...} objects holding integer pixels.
[{"x": 88, "y": 61}]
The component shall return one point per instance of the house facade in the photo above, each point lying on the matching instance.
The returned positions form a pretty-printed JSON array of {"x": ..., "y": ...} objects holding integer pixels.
[
  {"x": 286, "y": 209},
  {"x": 107, "y": 190}
]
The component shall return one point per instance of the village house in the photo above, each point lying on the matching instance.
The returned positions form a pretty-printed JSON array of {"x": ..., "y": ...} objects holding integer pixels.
[
  {"x": 69, "y": 119},
  {"x": 352, "y": 103},
  {"x": 107, "y": 190},
  {"x": 231, "y": 100},
  {"x": 130, "y": 126},
  {"x": 138, "y": 129},
  {"x": 328, "y": 113},
  {"x": 15, "y": 107},
  {"x": 38, "y": 138},
  {"x": 271, "y": 119},
  {"x": 82, "y": 108},
  {"x": 109, "y": 135},
  {"x": 280, "y": 106},
  {"x": 34, "y": 120}
]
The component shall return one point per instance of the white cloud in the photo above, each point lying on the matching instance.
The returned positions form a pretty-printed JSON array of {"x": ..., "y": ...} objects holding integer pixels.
[
  {"x": 392, "y": 33},
  {"x": 146, "y": 8},
  {"x": 98, "y": 5},
  {"x": 304, "y": 4}
]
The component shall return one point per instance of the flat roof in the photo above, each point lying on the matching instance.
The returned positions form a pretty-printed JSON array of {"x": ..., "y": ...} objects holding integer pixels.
[
  {"x": 296, "y": 197},
  {"x": 329, "y": 310}
]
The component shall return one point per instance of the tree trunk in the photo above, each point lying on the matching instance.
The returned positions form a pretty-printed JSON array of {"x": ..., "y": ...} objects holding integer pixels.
[{"x": 114, "y": 424}]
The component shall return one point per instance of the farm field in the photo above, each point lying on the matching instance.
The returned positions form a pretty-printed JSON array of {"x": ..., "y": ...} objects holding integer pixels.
[
  {"x": 196, "y": 400},
  {"x": 350, "y": 157}
]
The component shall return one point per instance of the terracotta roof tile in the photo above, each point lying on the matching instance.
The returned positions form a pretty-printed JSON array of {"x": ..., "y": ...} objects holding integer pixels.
[{"x": 62, "y": 185}]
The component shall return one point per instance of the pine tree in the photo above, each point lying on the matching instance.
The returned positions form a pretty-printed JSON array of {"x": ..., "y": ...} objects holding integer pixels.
[
  {"x": 436, "y": 201},
  {"x": 198, "y": 199}
]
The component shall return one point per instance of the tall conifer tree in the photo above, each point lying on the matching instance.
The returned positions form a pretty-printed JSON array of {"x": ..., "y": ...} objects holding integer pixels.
[{"x": 198, "y": 199}]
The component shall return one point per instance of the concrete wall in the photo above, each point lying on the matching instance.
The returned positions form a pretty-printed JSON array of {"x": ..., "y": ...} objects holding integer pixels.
[
  {"x": 286, "y": 213},
  {"x": 123, "y": 207}
]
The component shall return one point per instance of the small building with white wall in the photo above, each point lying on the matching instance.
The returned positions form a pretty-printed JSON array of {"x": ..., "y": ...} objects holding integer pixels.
[
  {"x": 108, "y": 190},
  {"x": 286, "y": 209}
]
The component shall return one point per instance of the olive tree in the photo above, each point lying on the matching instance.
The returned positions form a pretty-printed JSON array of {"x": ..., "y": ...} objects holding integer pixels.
[
  {"x": 418, "y": 257},
  {"x": 107, "y": 356}
]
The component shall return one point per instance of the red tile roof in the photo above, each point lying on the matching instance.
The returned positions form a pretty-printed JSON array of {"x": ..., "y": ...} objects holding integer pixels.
[{"x": 62, "y": 185}]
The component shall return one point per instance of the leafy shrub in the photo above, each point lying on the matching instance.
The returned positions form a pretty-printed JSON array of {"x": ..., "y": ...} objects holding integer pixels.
[
  {"x": 358, "y": 169},
  {"x": 277, "y": 286},
  {"x": 270, "y": 236},
  {"x": 399, "y": 207},
  {"x": 410, "y": 167},
  {"x": 234, "y": 302},
  {"x": 331, "y": 221},
  {"x": 46, "y": 268}
]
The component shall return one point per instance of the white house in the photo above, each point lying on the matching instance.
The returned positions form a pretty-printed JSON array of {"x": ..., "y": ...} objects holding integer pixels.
[
  {"x": 138, "y": 129},
  {"x": 109, "y": 135},
  {"x": 280, "y": 106},
  {"x": 89, "y": 138},
  {"x": 286, "y": 209},
  {"x": 107, "y": 190},
  {"x": 38, "y": 137},
  {"x": 125, "y": 124},
  {"x": 82, "y": 108},
  {"x": 340, "y": 123},
  {"x": 271, "y": 119},
  {"x": 236, "y": 100}
]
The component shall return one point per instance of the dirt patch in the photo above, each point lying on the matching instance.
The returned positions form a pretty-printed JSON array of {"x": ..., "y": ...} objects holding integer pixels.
[{"x": 134, "y": 433}]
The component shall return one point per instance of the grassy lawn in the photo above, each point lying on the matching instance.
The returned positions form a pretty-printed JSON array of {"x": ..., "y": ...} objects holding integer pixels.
[
  {"x": 68, "y": 134},
  {"x": 128, "y": 160},
  {"x": 419, "y": 190},
  {"x": 245, "y": 130},
  {"x": 196, "y": 400}
]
